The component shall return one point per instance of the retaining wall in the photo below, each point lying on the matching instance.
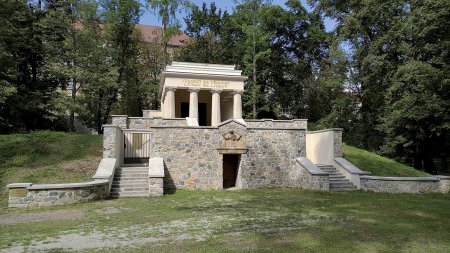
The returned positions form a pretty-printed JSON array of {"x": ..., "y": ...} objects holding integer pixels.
[
  {"x": 434, "y": 184},
  {"x": 38, "y": 195}
]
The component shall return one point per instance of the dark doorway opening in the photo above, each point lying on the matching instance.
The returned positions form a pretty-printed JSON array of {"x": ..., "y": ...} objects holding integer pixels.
[
  {"x": 201, "y": 112},
  {"x": 230, "y": 170}
]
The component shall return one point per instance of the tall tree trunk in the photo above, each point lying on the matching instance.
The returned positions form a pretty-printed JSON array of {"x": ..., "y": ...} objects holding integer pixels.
[
  {"x": 254, "y": 90},
  {"x": 72, "y": 111},
  {"x": 99, "y": 113}
]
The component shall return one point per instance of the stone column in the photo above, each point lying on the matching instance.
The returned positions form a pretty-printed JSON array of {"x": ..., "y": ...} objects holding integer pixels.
[
  {"x": 193, "y": 103},
  {"x": 169, "y": 103},
  {"x": 237, "y": 104},
  {"x": 215, "y": 108}
]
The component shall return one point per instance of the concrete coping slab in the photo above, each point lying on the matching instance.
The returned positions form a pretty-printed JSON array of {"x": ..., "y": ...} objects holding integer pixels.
[
  {"x": 275, "y": 120},
  {"x": 443, "y": 177},
  {"x": 326, "y": 130},
  {"x": 432, "y": 178},
  {"x": 106, "y": 168},
  {"x": 156, "y": 167},
  {"x": 277, "y": 128},
  {"x": 68, "y": 185},
  {"x": 239, "y": 121},
  {"x": 348, "y": 166},
  {"x": 310, "y": 166},
  {"x": 18, "y": 185}
]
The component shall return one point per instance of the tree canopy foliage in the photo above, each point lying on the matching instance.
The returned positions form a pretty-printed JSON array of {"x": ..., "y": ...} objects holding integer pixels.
[{"x": 382, "y": 74}]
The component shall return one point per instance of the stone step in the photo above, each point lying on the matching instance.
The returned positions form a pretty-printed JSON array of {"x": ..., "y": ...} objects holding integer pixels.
[
  {"x": 343, "y": 185},
  {"x": 129, "y": 194},
  {"x": 132, "y": 168},
  {"x": 135, "y": 175},
  {"x": 327, "y": 168},
  {"x": 129, "y": 189},
  {"x": 129, "y": 184},
  {"x": 132, "y": 171},
  {"x": 343, "y": 189},
  {"x": 335, "y": 174},
  {"x": 341, "y": 178}
]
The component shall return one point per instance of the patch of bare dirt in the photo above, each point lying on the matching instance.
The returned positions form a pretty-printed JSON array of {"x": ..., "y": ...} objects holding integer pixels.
[{"x": 9, "y": 219}]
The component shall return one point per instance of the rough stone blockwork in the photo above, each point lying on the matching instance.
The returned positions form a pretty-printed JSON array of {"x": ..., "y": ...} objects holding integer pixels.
[
  {"x": 402, "y": 185},
  {"x": 112, "y": 142},
  {"x": 54, "y": 197},
  {"x": 298, "y": 123},
  {"x": 270, "y": 159},
  {"x": 156, "y": 186},
  {"x": 141, "y": 123},
  {"x": 192, "y": 160},
  {"x": 190, "y": 156},
  {"x": 301, "y": 178}
]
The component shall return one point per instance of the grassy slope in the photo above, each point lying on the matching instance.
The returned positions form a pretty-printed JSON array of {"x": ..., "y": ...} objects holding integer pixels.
[
  {"x": 47, "y": 157},
  {"x": 378, "y": 165}
]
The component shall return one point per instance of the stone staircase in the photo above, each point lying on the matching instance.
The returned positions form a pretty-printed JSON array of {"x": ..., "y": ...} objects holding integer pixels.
[
  {"x": 337, "y": 181},
  {"x": 130, "y": 182}
]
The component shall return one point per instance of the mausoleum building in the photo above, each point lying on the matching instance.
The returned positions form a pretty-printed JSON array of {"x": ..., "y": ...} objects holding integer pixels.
[
  {"x": 199, "y": 140},
  {"x": 207, "y": 94}
]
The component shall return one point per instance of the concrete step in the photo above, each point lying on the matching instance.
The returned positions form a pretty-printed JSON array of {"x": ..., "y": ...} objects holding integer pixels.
[
  {"x": 129, "y": 189},
  {"x": 129, "y": 184},
  {"x": 342, "y": 189},
  {"x": 129, "y": 194},
  {"x": 337, "y": 178},
  {"x": 341, "y": 184},
  {"x": 132, "y": 168},
  {"x": 128, "y": 175},
  {"x": 335, "y": 175}
]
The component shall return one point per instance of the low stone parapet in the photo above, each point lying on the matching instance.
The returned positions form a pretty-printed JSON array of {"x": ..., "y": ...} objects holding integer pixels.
[
  {"x": 310, "y": 176},
  {"x": 433, "y": 184},
  {"x": 39, "y": 195},
  {"x": 277, "y": 124}
]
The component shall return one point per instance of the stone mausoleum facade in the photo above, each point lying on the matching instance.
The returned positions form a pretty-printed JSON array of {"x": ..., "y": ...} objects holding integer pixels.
[
  {"x": 199, "y": 140},
  {"x": 204, "y": 141}
]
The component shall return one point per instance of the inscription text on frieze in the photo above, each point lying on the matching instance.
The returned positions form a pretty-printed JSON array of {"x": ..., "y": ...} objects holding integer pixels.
[{"x": 200, "y": 83}]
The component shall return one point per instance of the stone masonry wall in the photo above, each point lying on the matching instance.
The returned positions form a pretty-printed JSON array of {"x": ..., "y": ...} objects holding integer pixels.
[
  {"x": 271, "y": 155},
  {"x": 141, "y": 123},
  {"x": 337, "y": 142},
  {"x": 269, "y": 123},
  {"x": 407, "y": 185},
  {"x": 192, "y": 160},
  {"x": 190, "y": 156},
  {"x": 55, "y": 197},
  {"x": 112, "y": 142},
  {"x": 301, "y": 178}
]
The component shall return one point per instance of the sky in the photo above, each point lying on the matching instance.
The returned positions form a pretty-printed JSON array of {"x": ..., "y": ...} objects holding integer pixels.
[{"x": 150, "y": 18}]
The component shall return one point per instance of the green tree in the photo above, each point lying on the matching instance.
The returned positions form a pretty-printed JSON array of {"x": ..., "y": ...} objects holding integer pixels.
[
  {"x": 121, "y": 17},
  {"x": 209, "y": 30},
  {"x": 255, "y": 45},
  {"x": 29, "y": 98},
  {"x": 167, "y": 10}
]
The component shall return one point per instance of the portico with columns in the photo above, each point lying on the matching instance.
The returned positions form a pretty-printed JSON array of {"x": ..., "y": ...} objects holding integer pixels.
[{"x": 206, "y": 94}]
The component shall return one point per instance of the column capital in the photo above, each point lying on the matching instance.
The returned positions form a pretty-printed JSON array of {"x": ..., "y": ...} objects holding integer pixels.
[
  {"x": 171, "y": 88},
  {"x": 237, "y": 92},
  {"x": 216, "y": 91},
  {"x": 193, "y": 90}
]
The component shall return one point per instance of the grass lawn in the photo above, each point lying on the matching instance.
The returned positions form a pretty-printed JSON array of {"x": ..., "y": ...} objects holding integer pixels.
[
  {"x": 379, "y": 165},
  {"x": 280, "y": 220},
  {"x": 47, "y": 157}
]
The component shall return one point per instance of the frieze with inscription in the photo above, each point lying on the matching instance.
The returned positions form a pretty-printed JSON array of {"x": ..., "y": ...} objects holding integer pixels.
[{"x": 201, "y": 83}]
